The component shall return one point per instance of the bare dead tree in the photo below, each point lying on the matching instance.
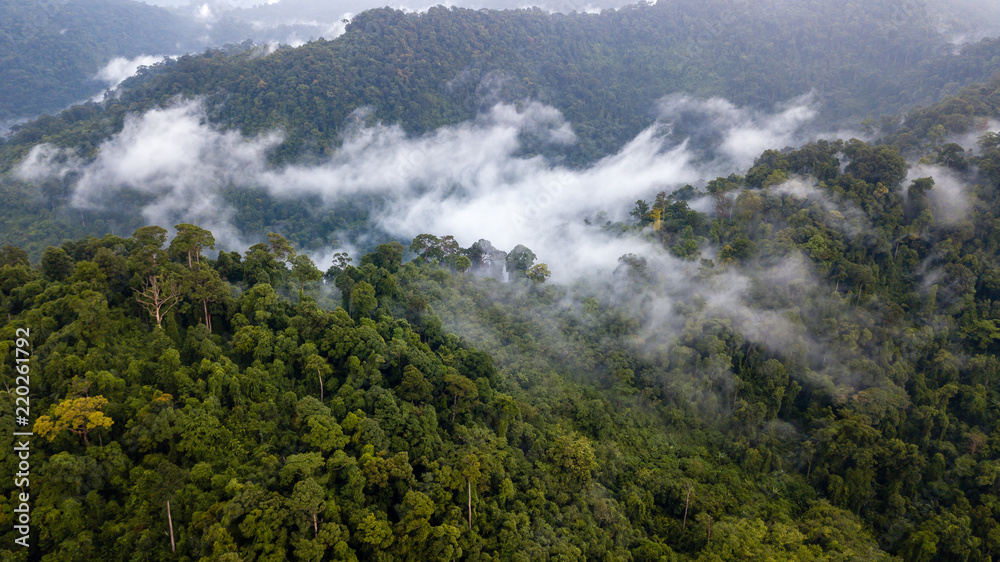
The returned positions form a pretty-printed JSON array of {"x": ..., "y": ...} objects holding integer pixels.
[
  {"x": 157, "y": 297},
  {"x": 687, "y": 504},
  {"x": 170, "y": 521}
]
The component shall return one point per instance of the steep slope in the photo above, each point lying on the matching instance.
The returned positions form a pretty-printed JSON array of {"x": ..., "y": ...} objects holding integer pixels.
[
  {"x": 604, "y": 72},
  {"x": 50, "y": 51}
]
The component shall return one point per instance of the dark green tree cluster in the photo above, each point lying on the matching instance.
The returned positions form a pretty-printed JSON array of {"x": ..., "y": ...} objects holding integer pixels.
[
  {"x": 280, "y": 430},
  {"x": 50, "y": 51},
  {"x": 427, "y": 70},
  {"x": 604, "y": 72}
]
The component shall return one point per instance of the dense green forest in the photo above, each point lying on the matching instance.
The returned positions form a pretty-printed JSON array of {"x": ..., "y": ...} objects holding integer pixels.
[
  {"x": 603, "y": 71},
  {"x": 287, "y": 413},
  {"x": 51, "y": 50},
  {"x": 797, "y": 361}
]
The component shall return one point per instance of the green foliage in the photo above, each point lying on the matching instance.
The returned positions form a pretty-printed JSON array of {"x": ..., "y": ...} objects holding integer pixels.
[
  {"x": 52, "y": 50},
  {"x": 294, "y": 431},
  {"x": 850, "y": 415}
]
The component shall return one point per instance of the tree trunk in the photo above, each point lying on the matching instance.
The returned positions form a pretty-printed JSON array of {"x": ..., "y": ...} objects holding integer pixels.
[
  {"x": 454, "y": 409},
  {"x": 315, "y": 525},
  {"x": 208, "y": 320},
  {"x": 320, "y": 375},
  {"x": 469, "y": 482},
  {"x": 170, "y": 521},
  {"x": 687, "y": 503}
]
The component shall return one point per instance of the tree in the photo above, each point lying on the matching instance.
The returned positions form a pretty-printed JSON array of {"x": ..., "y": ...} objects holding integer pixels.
[
  {"x": 640, "y": 210},
  {"x": 518, "y": 261},
  {"x": 414, "y": 386},
  {"x": 363, "y": 301},
  {"x": 340, "y": 262},
  {"x": 538, "y": 273},
  {"x": 260, "y": 266},
  {"x": 953, "y": 156},
  {"x": 414, "y": 526},
  {"x": 461, "y": 388},
  {"x": 56, "y": 264},
  {"x": 448, "y": 246},
  {"x": 151, "y": 236},
  {"x": 189, "y": 241},
  {"x": 13, "y": 256},
  {"x": 459, "y": 262},
  {"x": 145, "y": 257},
  {"x": 875, "y": 164},
  {"x": 280, "y": 247},
  {"x": 309, "y": 496},
  {"x": 304, "y": 270},
  {"x": 208, "y": 287},
  {"x": 157, "y": 297},
  {"x": 426, "y": 245},
  {"x": 388, "y": 256},
  {"x": 316, "y": 362},
  {"x": 574, "y": 458},
  {"x": 480, "y": 253},
  {"x": 375, "y": 531},
  {"x": 77, "y": 415}
]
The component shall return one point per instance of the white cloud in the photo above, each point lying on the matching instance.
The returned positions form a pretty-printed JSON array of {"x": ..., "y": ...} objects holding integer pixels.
[
  {"x": 120, "y": 68},
  {"x": 949, "y": 197},
  {"x": 744, "y": 133},
  {"x": 842, "y": 215},
  {"x": 467, "y": 180},
  {"x": 171, "y": 155}
]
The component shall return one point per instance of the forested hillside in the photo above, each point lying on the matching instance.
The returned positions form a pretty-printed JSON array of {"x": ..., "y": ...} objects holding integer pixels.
[
  {"x": 50, "y": 51},
  {"x": 604, "y": 72},
  {"x": 808, "y": 372},
  {"x": 744, "y": 307}
]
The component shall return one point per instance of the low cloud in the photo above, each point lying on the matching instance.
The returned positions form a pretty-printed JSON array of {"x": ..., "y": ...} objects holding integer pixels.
[
  {"x": 471, "y": 180},
  {"x": 949, "y": 198},
  {"x": 172, "y": 156},
  {"x": 120, "y": 68},
  {"x": 840, "y": 215},
  {"x": 739, "y": 135},
  {"x": 468, "y": 180}
]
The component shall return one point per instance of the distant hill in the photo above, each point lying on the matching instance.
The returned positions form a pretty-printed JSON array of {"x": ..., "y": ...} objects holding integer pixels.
[
  {"x": 605, "y": 71},
  {"x": 50, "y": 51}
]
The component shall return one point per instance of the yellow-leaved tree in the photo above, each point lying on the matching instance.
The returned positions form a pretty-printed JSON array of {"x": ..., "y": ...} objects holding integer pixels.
[{"x": 77, "y": 415}]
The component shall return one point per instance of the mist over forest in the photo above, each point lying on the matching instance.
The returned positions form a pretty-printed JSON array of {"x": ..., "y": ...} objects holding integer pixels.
[{"x": 681, "y": 280}]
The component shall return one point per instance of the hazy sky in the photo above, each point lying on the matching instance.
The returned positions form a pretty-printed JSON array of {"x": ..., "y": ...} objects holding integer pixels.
[
  {"x": 310, "y": 9},
  {"x": 960, "y": 17}
]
